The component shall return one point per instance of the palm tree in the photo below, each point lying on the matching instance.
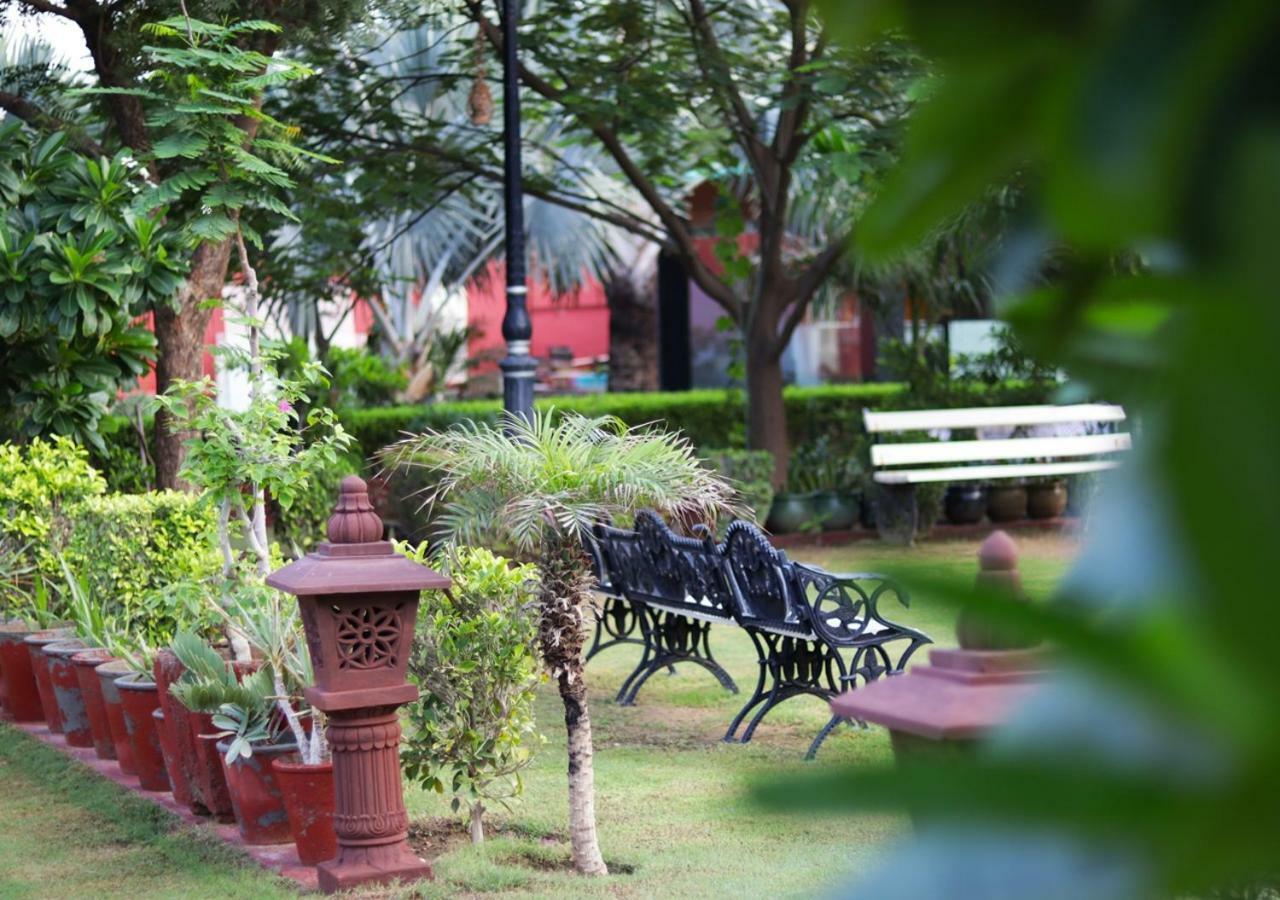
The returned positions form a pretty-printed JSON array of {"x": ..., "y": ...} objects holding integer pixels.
[{"x": 538, "y": 487}]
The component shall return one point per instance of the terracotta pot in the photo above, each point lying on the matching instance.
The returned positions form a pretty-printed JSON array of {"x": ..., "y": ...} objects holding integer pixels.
[
  {"x": 256, "y": 794},
  {"x": 965, "y": 504},
  {"x": 211, "y": 778},
  {"x": 66, "y": 692},
  {"x": 308, "y": 800},
  {"x": 791, "y": 512},
  {"x": 175, "y": 735},
  {"x": 86, "y": 663},
  {"x": 139, "y": 697},
  {"x": 168, "y": 750},
  {"x": 1006, "y": 502},
  {"x": 21, "y": 694},
  {"x": 838, "y": 511},
  {"x": 1047, "y": 500},
  {"x": 107, "y": 674},
  {"x": 35, "y": 643}
]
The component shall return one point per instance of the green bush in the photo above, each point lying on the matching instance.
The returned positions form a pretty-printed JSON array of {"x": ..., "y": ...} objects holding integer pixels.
[
  {"x": 138, "y": 553},
  {"x": 300, "y": 525},
  {"x": 472, "y": 728},
  {"x": 709, "y": 418},
  {"x": 39, "y": 482},
  {"x": 750, "y": 471}
]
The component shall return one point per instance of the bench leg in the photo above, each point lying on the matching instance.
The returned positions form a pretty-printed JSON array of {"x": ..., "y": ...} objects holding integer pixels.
[
  {"x": 762, "y": 659},
  {"x": 822, "y": 735},
  {"x": 672, "y": 638},
  {"x": 616, "y": 623},
  {"x": 793, "y": 667}
]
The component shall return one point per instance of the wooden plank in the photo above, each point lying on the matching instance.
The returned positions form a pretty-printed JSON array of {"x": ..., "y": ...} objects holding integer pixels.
[
  {"x": 990, "y": 417},
  {"x": 992, "y": 472},
  {"x": 982, "y": 451}
]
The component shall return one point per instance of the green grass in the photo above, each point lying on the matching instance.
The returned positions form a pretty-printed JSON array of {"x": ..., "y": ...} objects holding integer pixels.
[{"x": 672, "y": 799}]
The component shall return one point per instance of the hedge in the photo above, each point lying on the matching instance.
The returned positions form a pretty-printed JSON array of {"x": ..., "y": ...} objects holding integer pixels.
[{"x": 709, "y": 418}]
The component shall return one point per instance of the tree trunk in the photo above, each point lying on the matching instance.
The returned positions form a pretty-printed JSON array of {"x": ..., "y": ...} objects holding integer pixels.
[
  {"x": 633, "y": 334},
  {"x": 477, "y": 823},
  {"x": 766, "y": 410},
  {"x": 180, "y": 335},
  {"x": 564, "y": 592}
]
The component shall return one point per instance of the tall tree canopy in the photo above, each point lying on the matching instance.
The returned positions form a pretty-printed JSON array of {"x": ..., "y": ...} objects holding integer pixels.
[
  {"x": 115, "y": 35},
  {"x": 650, "y": 98}
]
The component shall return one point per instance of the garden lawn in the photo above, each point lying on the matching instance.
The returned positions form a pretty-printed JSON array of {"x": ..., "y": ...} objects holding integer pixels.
[{"x": 671, "y": 798}]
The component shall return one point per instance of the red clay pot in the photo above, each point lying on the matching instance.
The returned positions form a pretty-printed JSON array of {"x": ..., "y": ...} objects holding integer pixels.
[
  {"x": 107, "y": 674},
  {"x": 86, "y": 663},
  {"x": 140, "y": 699},
  {"x": 167, "y": 748},
  {"x": 21, "y": 694},
  {"x": 66, "y": 692},
  {"x": 256, "y": 794},
  {"x": 211, "y": 777},
  {"x": 175, "y": 735},
  {"x": 308, "y": 800},
  {"x": 35, "y": 643}
]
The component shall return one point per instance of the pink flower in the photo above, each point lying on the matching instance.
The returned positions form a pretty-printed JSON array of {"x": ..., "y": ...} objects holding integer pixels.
[{"x": 285, "y": 406}]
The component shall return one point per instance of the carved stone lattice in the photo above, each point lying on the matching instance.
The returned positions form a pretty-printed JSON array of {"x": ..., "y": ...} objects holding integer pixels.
[{"x": 368, "y": 636}]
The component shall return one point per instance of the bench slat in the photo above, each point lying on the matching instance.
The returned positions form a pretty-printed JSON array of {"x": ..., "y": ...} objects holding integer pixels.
[
  {"x": 984, "y": 473},
  {"x": 1009, "y": 448},
  {"x": 990, "y": 417}
]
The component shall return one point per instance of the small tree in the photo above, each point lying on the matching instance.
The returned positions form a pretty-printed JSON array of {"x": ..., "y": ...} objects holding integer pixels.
[
  {"x": 473, "y": 657},
  {"x": 538, "y": 487}
]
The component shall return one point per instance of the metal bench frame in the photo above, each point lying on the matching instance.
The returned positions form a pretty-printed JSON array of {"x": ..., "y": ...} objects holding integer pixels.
[{"x": 815, "y": 633}]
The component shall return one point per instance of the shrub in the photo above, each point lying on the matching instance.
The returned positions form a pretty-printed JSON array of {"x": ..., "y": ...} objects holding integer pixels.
[
  {"x": 750, "y": 471},
  {"x": 139, "y": 554},
  {"x": 472, "y": 727},
  {"x": 708, "y": 418},
  {"x": 39, "y": 482},
  {"x": 301, "y": 524}
]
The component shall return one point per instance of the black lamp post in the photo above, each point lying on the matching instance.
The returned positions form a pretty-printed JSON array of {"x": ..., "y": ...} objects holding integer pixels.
[{"x": 518, "y": 367}]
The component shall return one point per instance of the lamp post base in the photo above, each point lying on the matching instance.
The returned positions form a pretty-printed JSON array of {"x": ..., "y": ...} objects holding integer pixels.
[{"x": 371, "y": 865}]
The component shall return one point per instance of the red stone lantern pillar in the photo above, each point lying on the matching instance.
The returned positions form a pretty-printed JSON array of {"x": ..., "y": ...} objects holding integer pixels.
[
  {"x": 359, "y": 603},
  {"x": 961, "y": 694}
]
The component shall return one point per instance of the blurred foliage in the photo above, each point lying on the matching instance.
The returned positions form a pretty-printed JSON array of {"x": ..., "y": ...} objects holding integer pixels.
[
  {"x": 749, "y": 471},
  {"x": 1152, "y": 766},
  {"x": 360, "y": 378}
]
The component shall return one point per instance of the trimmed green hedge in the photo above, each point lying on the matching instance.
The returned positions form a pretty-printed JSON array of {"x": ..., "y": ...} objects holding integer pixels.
[{"x": 709, "y": 418}]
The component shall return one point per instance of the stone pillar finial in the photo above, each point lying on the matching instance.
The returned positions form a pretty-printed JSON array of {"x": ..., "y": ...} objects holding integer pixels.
[
  {"x": 353, "y": 520},
  {"x": 997, "y": 573}
]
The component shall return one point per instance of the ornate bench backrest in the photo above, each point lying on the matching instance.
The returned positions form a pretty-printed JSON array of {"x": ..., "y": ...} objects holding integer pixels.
[
  {"x": 761, "y": 578},
  {"x": 653, "y": 564}
]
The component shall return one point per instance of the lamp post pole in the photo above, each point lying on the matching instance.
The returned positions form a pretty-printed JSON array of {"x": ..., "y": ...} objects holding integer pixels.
[{"x": 518, "y": 367}]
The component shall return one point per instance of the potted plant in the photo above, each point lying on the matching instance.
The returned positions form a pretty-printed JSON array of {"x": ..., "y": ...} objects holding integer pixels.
[
  {"x": 91, "y": 627},
  {"x": 839, "y": 505},
  {"x": 252, "y": 737},
  {"x": 536, "y": 486},
  {"x": 1046, "y": 497},
  {"x": 965, "y": 503},
  {"x": 27, "y": 611},
  {"x": 795, "y": 506},
  {"x": 1006, "y": 501},
  {"x": 139, "y": 699}
]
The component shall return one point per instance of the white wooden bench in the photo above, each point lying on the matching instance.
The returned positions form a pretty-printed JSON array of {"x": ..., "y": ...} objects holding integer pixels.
[{"x": 1012, "y": 442}]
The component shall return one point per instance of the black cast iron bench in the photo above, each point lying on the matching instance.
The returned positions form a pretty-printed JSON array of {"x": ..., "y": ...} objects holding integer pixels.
[{"x": 815, "y": 633}]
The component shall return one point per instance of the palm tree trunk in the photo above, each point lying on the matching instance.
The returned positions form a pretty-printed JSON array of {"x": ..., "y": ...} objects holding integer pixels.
[{"x": 566, "y": 583}]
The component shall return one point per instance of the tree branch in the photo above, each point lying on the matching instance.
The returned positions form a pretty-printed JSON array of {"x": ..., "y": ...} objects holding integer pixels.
[
  {"x": 45, "y": 7},
  {"x": 808, "y": 283},
  {"x": 788, "y": 137},
  {"x": 37, "y": 118}
]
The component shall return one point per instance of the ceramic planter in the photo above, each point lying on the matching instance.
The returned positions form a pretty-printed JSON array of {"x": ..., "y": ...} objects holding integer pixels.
[
  {"x": 175, "y": 735},
  {"x": 66, "y": 692},
  {"x": 869, "y": 512},
  {"x": 35, "y": 644},
  {"x": 21, "y": 694},
  {"x": 1006, "y": 502},
  {"x": 168, "y": 749},
  {"x": 837, "y": 510},
  {"x": 210, "y": 775},
  {"x": 791, "y": 512},
  {"x": 107, "y": 674},
  {"x": 139, "y": 698},
  {"x": 86, "y": 664},
  {"x": 965, "y": 504},
  {"x": 1047, "y": 499},
  {"x": 308, "y": 801},
  {"x": 256, "y": 795}
]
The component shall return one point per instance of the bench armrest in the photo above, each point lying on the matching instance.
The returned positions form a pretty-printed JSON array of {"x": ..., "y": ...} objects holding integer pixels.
[{"x": 844, "y": 607}]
